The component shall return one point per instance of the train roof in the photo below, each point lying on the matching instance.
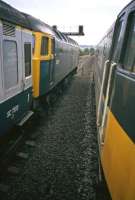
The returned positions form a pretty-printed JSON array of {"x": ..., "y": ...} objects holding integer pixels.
[
  {"x": 38, "y": 25},
  {"x": 65, "y": 38},
  {"x": 12, "y": 15},
  {"x": 111, "y": 29},
  {"x": 128, "y": 6}
]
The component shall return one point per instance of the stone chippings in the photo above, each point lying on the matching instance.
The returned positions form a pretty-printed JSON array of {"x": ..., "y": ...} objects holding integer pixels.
[{"x": 63, "y": 163}]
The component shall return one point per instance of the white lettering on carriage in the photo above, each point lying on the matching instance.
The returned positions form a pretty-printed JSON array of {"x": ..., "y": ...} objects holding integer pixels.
[{"x": 12, "y": 111}]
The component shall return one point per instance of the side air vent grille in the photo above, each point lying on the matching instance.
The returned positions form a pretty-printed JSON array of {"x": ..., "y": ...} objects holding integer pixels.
[{"x": 8, "y": 30}]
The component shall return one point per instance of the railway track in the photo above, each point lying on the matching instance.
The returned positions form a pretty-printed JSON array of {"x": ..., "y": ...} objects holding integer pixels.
[
  {"x": 56, "y": 156},
  {"x": 16, "y": 147},
  {"x": 11, "y": 154}
]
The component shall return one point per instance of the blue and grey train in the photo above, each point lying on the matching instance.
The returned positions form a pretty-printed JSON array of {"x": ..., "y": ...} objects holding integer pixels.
[{"x": 33, "y": 60}]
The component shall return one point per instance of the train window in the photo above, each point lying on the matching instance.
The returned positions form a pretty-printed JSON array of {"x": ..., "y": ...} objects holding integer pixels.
[
  {"x": 44, "y": 46},
  {"x": 52, "y": 46},
  {"x": 10, "y": 64},
  {"x": 117, "y": 41},
  {"x": 57, "y": 35},
  {"x": 60, "y": 36},
  {"x": 129, "y": 55},
  {"x": 65, "y": 37},
  {"x": 27, "y": 59}
]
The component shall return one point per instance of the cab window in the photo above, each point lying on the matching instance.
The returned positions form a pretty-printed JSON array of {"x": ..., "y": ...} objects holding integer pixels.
[
  {"x": 117, "y": 40},
  {"x": 27, "y": 59},
  {"x": 129, "y": 53},
  {"x": 44, "y": 46},
  {"x": 52, "y": 46}
]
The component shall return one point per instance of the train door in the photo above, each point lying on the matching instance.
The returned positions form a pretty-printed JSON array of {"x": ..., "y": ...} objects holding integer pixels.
[
  {"x": 27, "y": 59},
  {"x": 108, "y": 73},
  {"x": 45, "y": 64},
  {"x": 52, "y": 62}
]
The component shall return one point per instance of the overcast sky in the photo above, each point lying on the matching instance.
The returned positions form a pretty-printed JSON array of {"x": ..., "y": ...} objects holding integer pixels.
[{"x": 96, "y": 15}]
